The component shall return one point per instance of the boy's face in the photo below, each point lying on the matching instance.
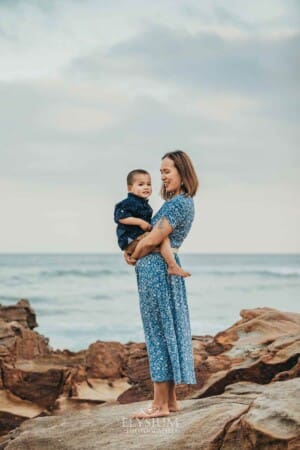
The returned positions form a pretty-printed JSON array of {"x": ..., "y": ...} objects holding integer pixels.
[{"x": 141, "y": 185}]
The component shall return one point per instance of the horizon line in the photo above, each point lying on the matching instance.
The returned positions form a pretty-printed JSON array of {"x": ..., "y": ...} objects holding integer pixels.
[{"x": 120, "y": 253}]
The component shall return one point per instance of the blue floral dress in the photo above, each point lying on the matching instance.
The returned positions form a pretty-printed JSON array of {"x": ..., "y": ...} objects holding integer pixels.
[{"x": 163, "y": 302}]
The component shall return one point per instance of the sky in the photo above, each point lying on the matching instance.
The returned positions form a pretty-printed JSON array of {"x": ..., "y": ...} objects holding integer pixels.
[{"x": 90, "y": 90}]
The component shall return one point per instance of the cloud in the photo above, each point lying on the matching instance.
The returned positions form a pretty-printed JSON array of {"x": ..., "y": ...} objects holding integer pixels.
[
  {"x": 91, "y": 89},
  {"x": 61, "y": 137},
  {"x": 253, "y": 65},
  {"x": 226, "y": 17}
]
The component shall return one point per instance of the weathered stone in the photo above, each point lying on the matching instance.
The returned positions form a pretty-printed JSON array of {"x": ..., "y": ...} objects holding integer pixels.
[
  {"x": 42, "y": 388},
  {"x": 246, "y": 416},
  {"x": 21, "y": 312},
  {"x": 18, "y": 342},
  {"x": 105, "y": 359},
  {"x": 136, "y": 365},
  {"x": 260, "y": 350},
  {"x": 263, "y": 343},
  {"x": 14, "y": 410},
  {"x": 99, "y": 390},
  {"x": 272, "y": 421}
]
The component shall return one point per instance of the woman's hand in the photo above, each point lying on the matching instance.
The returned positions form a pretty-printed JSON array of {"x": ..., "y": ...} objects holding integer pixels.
[
  {"x": 159, "y": 232},
  {"x": 131, "y": 261}
]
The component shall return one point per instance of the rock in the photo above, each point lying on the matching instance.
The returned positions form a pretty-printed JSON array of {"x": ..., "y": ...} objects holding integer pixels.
[
  {"x": 264, "y": 343},
  {"x": 18, "y": 342},
  {"x": 136, "y": 368},
  {"x": 105, "y": 359},
  {"x": 246, "y": 416},
  {"x": 263, "y": 347},
  {"x": 21, "y": 313},
  {"x": 15, "y": 410},
  {"x": 272, "y": 421},
  {"x": 42, "y": 388},
  {"x": 100, "y": 391}
]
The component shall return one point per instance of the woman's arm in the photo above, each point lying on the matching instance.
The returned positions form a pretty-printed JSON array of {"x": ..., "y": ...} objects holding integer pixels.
[{"x": 160, "y": 231}]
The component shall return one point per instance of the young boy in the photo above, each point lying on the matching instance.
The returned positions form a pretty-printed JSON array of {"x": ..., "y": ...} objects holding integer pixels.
[{"x": 133, "y": 216}]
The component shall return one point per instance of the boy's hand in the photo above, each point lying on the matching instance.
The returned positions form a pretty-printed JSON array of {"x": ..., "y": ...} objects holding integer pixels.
[
  {"x": 145, "y": 226},
  {"x": 129, "y": 260}
]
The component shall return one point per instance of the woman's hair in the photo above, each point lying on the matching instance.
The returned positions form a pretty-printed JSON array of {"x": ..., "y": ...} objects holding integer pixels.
[
  {"x": 186, "y": 171},
  {"x": 133, "y": 173}
]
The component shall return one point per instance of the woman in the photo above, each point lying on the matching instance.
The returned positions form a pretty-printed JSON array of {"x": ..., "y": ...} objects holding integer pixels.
[{"x": 163, "y": 302}]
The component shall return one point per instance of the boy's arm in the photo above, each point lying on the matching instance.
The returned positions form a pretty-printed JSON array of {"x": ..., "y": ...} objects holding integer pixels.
[{"x": 136, "y": 221}]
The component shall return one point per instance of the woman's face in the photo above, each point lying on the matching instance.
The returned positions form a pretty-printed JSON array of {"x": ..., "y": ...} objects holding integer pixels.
[{"x": 170, "y": 176}]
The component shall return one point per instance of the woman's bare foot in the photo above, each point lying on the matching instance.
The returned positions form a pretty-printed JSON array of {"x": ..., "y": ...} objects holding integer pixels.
[
  {"x": 177, "y": 270},
  {"x": 174, "y": 407},
  {"x": 151, "y": 412}
]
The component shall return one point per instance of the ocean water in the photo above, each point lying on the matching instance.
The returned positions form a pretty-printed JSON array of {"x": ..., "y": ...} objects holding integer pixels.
[{"x": 79, "y": 298}]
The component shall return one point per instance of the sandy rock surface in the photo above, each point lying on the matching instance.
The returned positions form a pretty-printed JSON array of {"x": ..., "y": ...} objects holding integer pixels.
[{"x": 246, "y": 416}]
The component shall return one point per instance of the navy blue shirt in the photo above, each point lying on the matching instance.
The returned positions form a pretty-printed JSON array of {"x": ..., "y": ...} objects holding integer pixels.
[{"x": 132, "y": 206}]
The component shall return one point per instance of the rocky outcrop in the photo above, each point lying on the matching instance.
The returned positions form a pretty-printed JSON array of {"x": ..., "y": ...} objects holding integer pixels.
[
  {"x": 246, "y": 416},
  {"x": 262, "y": 348},
  {"x": 21, "y": 313},
  {"x": 17, "y": 339}
]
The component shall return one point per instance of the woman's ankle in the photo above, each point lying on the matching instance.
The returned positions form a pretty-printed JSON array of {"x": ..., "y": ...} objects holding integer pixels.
[{"x": 162, "y": 405}]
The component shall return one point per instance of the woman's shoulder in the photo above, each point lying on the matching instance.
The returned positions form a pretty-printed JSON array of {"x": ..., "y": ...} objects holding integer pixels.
[
  {"x": 181, "y": 203},
  {"x": 177, "y": 210},
  {"x": 181, "y": 199}
]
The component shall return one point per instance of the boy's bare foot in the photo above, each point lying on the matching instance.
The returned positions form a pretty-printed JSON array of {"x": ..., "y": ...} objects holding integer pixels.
[
  {"x": 151, "y": 412},
  {"x": 176, "y": 270}
]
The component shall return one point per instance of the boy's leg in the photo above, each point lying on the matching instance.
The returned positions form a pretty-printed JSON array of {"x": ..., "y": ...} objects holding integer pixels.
[
  {"x": 131, "y": 247},
  {"x": 167, "y": 254}
]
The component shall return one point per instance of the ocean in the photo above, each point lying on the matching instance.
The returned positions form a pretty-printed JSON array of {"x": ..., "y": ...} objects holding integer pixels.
[{"x": 81, "y": 298}]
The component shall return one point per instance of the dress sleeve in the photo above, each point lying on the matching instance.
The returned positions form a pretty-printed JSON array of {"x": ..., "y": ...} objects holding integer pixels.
[
  {"x": 174, "y": 211},
  {"x": 122, "y": 211}
]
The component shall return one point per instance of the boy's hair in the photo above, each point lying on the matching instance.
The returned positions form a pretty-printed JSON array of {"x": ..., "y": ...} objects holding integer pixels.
[{"x": 131, "y": 175}]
